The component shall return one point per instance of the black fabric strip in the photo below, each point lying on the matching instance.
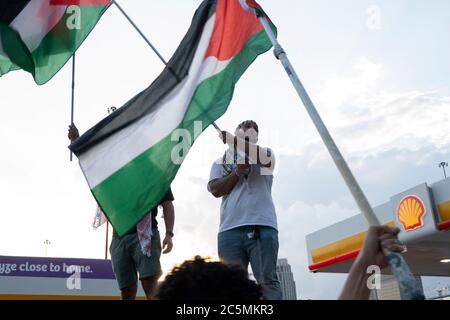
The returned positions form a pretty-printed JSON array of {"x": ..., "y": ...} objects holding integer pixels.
[
  {"x": 10, "y": 9},
  {"x": 145, "y": 102}
]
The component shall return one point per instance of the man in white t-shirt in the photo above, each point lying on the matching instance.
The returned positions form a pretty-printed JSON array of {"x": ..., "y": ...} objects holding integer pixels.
[{"x": 248, "y": 224}]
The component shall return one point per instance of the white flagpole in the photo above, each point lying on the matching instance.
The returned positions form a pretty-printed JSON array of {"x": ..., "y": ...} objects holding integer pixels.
[
  {"x": 409, "y": 286},
  {"x": 153, "y": 48}
]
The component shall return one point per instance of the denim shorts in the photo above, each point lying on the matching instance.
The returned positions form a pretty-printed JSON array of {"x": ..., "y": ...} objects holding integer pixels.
[{"x": 129, "y": 262}]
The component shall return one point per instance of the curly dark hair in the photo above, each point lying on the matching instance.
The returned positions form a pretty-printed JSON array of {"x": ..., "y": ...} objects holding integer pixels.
[
  {"x": 198, "y": 279},
  {"x": 247, "y": 124}
]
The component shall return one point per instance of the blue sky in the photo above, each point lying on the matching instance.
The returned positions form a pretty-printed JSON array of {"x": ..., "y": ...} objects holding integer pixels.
[{"x": 377, "y": 71}]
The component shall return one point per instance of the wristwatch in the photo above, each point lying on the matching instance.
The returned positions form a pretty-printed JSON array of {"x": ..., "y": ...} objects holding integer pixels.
[{"x": 170, "y": 233}]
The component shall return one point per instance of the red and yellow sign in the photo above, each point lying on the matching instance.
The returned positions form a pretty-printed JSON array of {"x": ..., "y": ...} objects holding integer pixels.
[{"x": 411, "y": 212}]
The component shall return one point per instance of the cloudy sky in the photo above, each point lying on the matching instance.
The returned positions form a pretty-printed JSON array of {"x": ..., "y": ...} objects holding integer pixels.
[{"x": 377, "y": 71}]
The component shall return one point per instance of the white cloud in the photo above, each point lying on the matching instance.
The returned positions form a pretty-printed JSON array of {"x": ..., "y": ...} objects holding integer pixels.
[
  {"x": 340, "y": 89},
  {"x": 367, "y": 118}
]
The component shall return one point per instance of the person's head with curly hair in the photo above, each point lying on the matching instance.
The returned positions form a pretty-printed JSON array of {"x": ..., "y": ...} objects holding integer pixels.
[{"x": 198, "y": 279}]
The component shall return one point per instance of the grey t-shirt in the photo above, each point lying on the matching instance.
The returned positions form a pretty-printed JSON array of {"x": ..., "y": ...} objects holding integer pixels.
[{"x": 250, "y": 202}]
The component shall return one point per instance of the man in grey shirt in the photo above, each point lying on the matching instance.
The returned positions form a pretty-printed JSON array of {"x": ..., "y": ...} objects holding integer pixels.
[{"x": 248, "y": 224}]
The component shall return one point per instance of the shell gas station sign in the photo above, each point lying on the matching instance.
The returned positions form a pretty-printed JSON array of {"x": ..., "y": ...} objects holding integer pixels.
[
  {"x": 411, "y": 212},
  {"x": 414, "y": 213}
]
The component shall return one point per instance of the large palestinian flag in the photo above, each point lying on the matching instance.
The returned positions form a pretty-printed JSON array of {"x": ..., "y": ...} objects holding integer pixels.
[
  {"x": 131, "y": 157},
  {"x": 40, "y": 36}
]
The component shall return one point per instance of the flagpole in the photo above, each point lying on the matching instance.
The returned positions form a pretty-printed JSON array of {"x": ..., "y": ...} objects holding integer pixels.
[
  {"x": 110, "y": 110},
  {"x": 408, "y": 284},
  {"x": 106, "y": 243},
  {"x": 73, "y": 97},
  {"x": 139, "y": 31},
  {"x": 154, "y": 49}
]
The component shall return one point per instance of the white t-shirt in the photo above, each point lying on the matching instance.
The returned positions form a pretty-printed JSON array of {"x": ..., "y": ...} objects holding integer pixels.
[{"x": 250, "y": 202}]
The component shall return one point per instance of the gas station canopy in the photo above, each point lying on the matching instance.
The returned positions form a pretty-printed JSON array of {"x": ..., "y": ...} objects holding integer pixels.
[{"x": 423, "y": 215}]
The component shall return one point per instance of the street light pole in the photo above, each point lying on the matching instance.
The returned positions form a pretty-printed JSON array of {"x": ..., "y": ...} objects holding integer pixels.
[
  {"x": 46, "y": 244},
  {"x": 443, "y": 165}
]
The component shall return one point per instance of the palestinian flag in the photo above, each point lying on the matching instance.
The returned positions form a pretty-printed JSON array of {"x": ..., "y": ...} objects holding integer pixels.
[
  {"x": 131, "y": 157},
  {"x": 40, "y": 36}
]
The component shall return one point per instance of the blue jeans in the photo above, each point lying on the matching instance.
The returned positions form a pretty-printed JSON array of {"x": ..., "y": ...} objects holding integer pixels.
[{"x": 243, "y": 245}]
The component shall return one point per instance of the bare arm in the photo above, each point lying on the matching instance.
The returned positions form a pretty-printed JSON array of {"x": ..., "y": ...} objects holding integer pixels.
[
  {"x": 224, "y": 186},
  {"x": 169, "y": 220},
  {"x": 355, "y": 287},
  {"x": 379, "y": 237}
]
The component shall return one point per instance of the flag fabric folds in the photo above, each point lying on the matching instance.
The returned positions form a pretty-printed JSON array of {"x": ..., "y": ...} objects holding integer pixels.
[
  {"x": 40, "y": 36},
  {"x": 131, "y": 157}
]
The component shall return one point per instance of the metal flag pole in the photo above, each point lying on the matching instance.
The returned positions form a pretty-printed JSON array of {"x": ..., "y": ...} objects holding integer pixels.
[
  {"x": 107, "y": 240},
  {"x": 152, "y": 47},
  {"x": 73, "y": 97},
  {"x": 110, "y": 110},
  {"x": 139, "y": 31},
  {"x": 409, "y": 286}
]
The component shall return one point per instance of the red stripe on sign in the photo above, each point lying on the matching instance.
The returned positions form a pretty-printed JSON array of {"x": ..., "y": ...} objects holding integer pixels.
[
  {"x": 444, "y": 225},
  {"x": 330, "y": 262},
  {"x": 233, "y": 27},
  {"x": 80, "y": 2}
]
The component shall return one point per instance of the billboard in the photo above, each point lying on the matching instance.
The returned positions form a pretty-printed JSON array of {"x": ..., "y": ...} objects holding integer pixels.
[{"x": 57, "y": 278}]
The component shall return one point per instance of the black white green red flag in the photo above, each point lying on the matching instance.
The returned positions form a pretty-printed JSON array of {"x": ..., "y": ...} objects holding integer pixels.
[
  {"x": 131, "y": 157},
  {"x": 40, "y": 36}
]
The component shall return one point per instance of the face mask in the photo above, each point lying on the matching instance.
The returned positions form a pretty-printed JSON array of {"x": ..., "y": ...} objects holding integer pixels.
[{"x": 251, "y": 134}]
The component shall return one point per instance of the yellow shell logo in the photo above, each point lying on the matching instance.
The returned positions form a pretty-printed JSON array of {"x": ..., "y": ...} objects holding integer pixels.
[{"x": 411, "y": 212}]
